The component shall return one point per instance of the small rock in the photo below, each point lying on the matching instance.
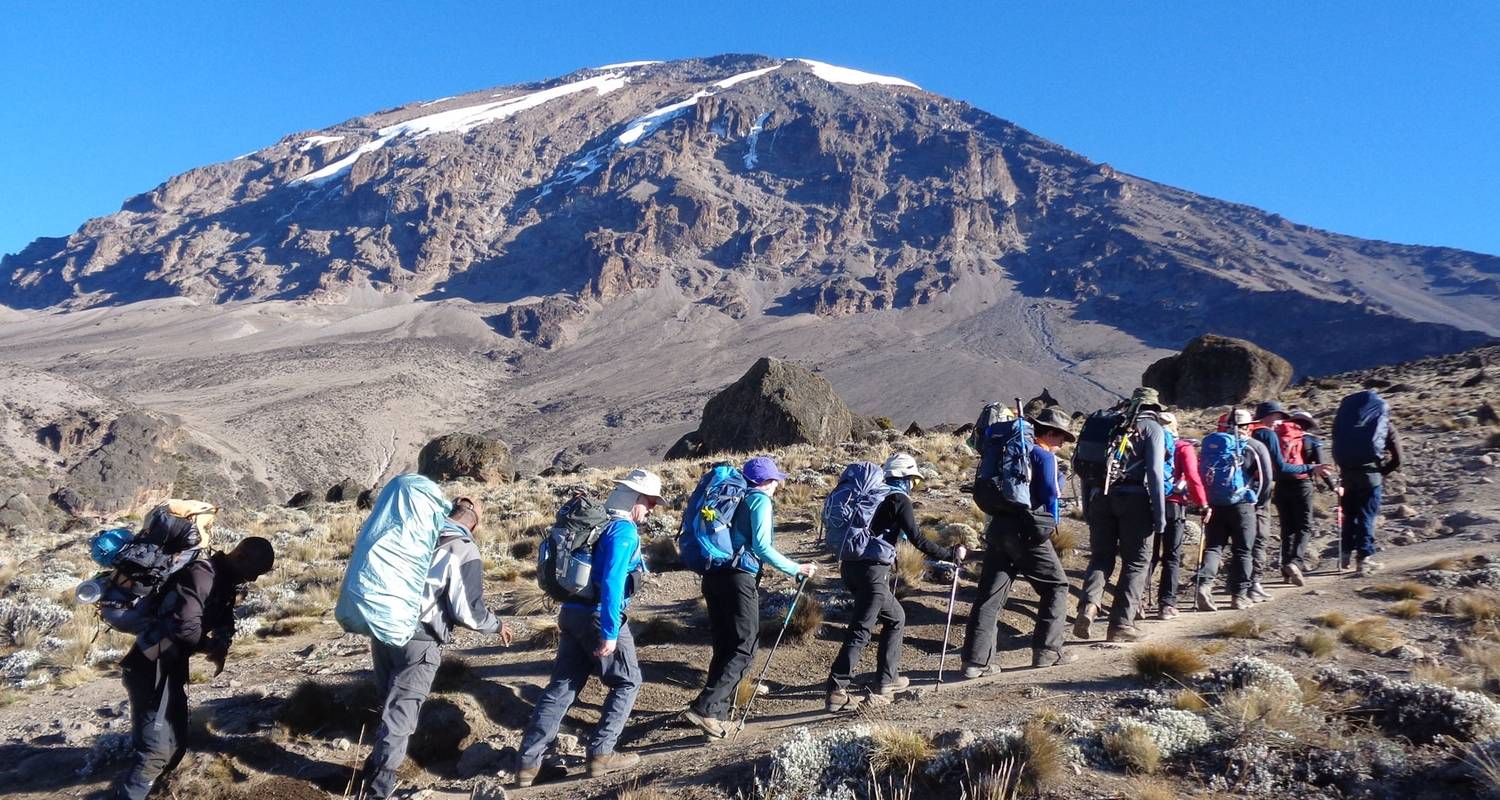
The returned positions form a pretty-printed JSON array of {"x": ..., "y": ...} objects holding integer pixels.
[
  {"x": 489, "y": 789},
  {"x": 342, "y": 744},
  {"x": 1403, "y": 511},
  {"x": 566, "y": 744},
  {"x": 1401, "y": 540},
  {"x": 1406, "y": 652}
]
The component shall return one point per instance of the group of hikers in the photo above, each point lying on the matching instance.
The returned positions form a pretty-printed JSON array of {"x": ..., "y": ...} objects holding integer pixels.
[{"x": 415, "y": 572}]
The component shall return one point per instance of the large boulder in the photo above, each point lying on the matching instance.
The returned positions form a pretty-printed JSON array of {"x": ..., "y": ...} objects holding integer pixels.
[
  {"x": 774, "y": 404},
  {"x": 467, "y": 455},
  {"x": 1217, "y": 370},
  {"x": 345, "y": 491}
]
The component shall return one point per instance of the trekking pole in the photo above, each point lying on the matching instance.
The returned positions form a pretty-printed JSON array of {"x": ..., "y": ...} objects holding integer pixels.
[
  {"x": 801, "y": 583},
  {"x": 1203, "y": 535},
  {"x": 1338, "y": 521},
  {"x": 952, "y": 601}
]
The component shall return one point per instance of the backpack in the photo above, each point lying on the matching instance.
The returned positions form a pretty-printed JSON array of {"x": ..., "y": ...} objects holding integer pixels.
[
  {"x": 381, "y": 594},
  {"x": 172, "y": 536},
  {"x": 1221, "y": 465},
  {"x": 1169, "y": 443},
  {"x": 1002, "y": 484},
  {"x": 704, "y": 542},
  {"x": 1290, "y": 437},
  {"x": 564, "y": 561},
  {"x": 989, "y": 415},
  {"x": 1359, "y": 429},
  {"x": 1091, "y": 453},
  {"x": 848, "y": 511}
]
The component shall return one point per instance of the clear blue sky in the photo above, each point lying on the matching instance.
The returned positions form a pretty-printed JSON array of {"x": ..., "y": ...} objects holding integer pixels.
[{"x": 1377, "y": 119}]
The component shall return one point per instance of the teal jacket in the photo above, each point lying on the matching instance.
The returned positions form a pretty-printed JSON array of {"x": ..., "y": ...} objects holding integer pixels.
[{"x": 753, "y": 531}]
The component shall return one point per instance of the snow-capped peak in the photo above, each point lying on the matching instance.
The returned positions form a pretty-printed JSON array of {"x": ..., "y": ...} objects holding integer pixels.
[
  {"x": 836, "y": 74},
  {"x": 628, "y": 65}
]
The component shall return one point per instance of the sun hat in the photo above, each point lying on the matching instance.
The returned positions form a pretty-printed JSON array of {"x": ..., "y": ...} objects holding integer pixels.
[
  {"x": 1268, "y": 408},
  {"x": 1242, "y": 417},
  {"x": 1146, "y": 397},
  {"x": 1056, "y": 419},
  {"x": 761, "y": 469},
  {"x": 1306, "y": 420},
  {"x": 641, "y": 481},
  {"x": 901, "y": 465}
]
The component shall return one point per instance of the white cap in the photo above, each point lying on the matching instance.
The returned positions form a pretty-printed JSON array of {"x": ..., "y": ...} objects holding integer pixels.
[
  {"x": 1241, "y": 416},
  {"x": 642, "y": 481},
  {"x": 901, "y": 465}
]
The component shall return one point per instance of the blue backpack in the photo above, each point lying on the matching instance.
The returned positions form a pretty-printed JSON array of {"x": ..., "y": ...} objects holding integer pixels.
[
  {"x": 848, "y": 511},
  {"x": 1003, "y": 482},
  {"x": 1359, "y": 429},
  {"x": 1169, "y": 443},
  {"x": 1221, "y": 465},
  {"x": 704, "y": 543}
]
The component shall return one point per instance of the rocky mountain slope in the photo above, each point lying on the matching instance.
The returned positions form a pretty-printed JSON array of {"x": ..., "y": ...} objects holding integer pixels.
[{"x": 612, "y": 245}]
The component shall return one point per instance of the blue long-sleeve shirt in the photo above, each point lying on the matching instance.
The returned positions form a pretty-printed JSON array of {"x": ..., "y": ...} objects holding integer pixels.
[
  {"x": 1279, "y": 467},
  {"x": 1044, "y": 481},
  {"x": 617, "y": 555},
  {"x": 754, "y": 529}
]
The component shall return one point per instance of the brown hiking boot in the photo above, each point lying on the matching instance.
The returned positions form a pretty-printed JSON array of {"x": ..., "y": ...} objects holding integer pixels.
[
  {"x": 1125, "y": 633},
  {"x": 601, "y": 764},
  {"x": 888, "y": 689},
  {"x": 1084, "y": 621},
  {"x": 1293, "y": 575},
  {"x": 1241, "y": 602},
  {"x": 711, "y": 727},
  {"x": 838, "y": 700},
  {"x": 525, "y": 776},
  {"x": 1052, "y": 658},
  {"x": 1205, "y": 599}
]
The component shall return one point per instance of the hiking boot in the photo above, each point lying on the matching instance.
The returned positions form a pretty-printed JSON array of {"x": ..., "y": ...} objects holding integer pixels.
[
  {"x": 888, "y": 689},
  {"x": 1293, "y": 575},
  {"x": 1125, "y": 633},
  {"x": 711, "y": 727},
  {"x": 1367, "y": 566},
  {"x": 1258, "y": 593},
  {"x": 1167, "y": 612},
  {"x": 525, "y": 776},
  {"x": 1052, "y": 658},
  {"x": 1345, "y": 560},
  {"x": 972, "y": 671},
  {"x": 1241, "y": 602},
  {"x": 601, "y": 764},
  {"x": 1205, "y": 599},
  {"x": 838, "y": 700},
  {"x": 1084, "y": 621}
]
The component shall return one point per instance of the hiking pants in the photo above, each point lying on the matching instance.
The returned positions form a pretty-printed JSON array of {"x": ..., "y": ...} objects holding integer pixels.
[
  {"x": 1261, "y": 548},
  {"x": 873, "y": 602},
  {"x": 404, "y": 677},
  {"x": 1232, "y": 527},
  {"x": 1007, "y": 556},
  {"x": 733, "y": 627},
  {"x": 1168, "y": 553},
  {"x": 619, "y": 672},
  {"x": 158, "y": 735},
  {"x": 1361, "y": 505},
  {"x": 1293, "y": 501},
  {"x": 1119, "y": 527}
]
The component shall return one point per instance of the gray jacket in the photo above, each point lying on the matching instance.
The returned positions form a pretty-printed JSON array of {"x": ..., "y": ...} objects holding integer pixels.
[
  {"x": 1259, "y": 471},
  {"x": 455, "y": 588},
  {"x": 1146, "y": 467}
]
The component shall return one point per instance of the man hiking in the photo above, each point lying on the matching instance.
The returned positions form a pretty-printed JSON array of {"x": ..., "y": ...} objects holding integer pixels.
[
  {"x": 1269, "y": 417},
  {"x": 1020, "y": 544},
  {"x": 453, "y": 596},
  {"x": 194, "y": 614},
  {"x": 1293, "y": 493},
  {"x": 1366, "y": 448},
  {"x": 869, "y": 581},
  {"x": 1187, "y": 496},
  {"x": 733, "y": 599},
  {"x": 1123, "y": 523},
  {"x": 1234, "y": 476},
  {"x": 595, "y": 638}
]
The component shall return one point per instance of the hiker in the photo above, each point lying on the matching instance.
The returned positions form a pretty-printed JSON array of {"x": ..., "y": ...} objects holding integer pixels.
[
  {"x": 869, "y": 581},
  {"x": 194, "y": 614},
  {"x": 452, "y": 596},
  {"x": 1234, "y": 476},
  {"x": 1123, "y": 523},
  {"x": 731, "y": 594},
  {"x": 1187, "y": 496},
  {"x": 595, "y": 638},
  {"x": 1293, "y": 494},
  {"x": 1020, "y": 544},
  {"x": 1287, "y": 467},
  {"x": 1366, "y": 448}
]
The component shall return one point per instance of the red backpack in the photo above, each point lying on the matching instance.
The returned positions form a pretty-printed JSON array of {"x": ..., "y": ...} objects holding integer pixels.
[{"x": 1290, "y": 437}]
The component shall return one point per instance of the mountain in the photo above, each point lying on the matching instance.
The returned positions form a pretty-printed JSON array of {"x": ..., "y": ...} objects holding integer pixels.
[{"x": 611, "y": 246}]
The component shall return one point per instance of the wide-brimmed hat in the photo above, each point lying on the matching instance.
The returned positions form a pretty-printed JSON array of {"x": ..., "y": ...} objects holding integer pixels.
[
  {"x": 761, "y": 469},
  {"x": 1268, "y": 408},
  {"x": 1056, "y": 419},
  {"x": 1241, "y": 417},
  {"x": 642, "y": 481},
  {"x": 901, "y": 465},
  {"x": 1305, "y": 419},
  {"x": 1146, "y": 397}
]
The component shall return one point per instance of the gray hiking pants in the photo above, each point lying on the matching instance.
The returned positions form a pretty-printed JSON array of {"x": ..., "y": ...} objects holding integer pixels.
[
  {"x": 1009, "y": 554},
  {"x": 1232, "y": 527},
  {"x": 1262, "y": 549},
  {"x": 1119, "y": 527},
  {"x": 158, "y": 731},
  {"x": 870, "y": 584},
  {"x": 404, "y": 676},
  {"x": 619, "y": 673}
]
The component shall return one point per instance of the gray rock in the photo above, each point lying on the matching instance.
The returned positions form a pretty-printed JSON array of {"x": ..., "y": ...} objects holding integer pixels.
[
  {"x": 689, "y": 446},
  {"x": 489, "y": 788},
  {"x": 347, "y": 490},
  {"x": 775, "y": 404},
  {"x": 466, "y": 455},
  {"x": 1217, "y": 370},
  {"x": 567, "y": 744},
  {"x": 1403, "y": 511}
]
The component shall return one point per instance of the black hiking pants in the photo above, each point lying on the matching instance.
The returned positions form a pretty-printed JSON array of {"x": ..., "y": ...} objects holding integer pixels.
[
  {"x": 1231, "y": 527},
  {"x": 1294, "y": 507},
  {"x": 1261, "y": 550},
  {"x": 1168, "y": 554},
  {"x": 870, "y": 584},
  {"x": 158, "y": 734},
  {"x": 733, "y": 627},
  {"x": 1119, "y": 528},
  {"x": 1010, "y": 554}
]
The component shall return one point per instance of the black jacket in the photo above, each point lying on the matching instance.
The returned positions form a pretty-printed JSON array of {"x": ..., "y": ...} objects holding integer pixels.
[
  {"x": 196, "y": 603},
  {"x": 895, "y": 517}
]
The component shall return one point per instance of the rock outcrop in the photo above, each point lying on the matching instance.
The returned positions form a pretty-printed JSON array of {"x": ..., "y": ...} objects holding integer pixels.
[
  {"x": 466, "y": 455},
  {"x": 775, "y": 404},
  {"x": 1218, "y": 370}
]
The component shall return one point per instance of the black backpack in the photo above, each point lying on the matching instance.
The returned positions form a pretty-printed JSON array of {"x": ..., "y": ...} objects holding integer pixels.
[
  {"x": 564, "y": 561},
  {"x": 1091, "y": 453}
]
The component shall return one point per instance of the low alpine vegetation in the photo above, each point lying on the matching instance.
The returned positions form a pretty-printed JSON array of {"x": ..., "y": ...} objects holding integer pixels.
[
  {"x": 1334, "y": 620},
  {"x": 1245, "y": 628},
  {"x": 1133, "y": 748},
  {"x": 1317, "y": 643},
  {"x": 1406, "y": 590},
  {"x": 1405, "y": 609},
  {"x": 1371, "y": 634},
  {"x": 1164, "y": 661}
]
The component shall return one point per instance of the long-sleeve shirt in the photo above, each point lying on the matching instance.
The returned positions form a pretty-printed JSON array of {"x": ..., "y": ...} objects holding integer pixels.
[
  {"x": 895, "y": 517},
  {"x": 1186, "y": 482},
  {"x": 197, "y": 599},
  {"x": 1044, "y": 481},
  {"x": 1145, "y": 468},
  {"x": 617, "y": 557},
  {"x": 1312, "y": 450},
  {"x": 1279, "y": 466},
  {"x": 454, "y": 594},
  {"x": 754, "y": 529},
  {"x": 1392, "y": 460}
]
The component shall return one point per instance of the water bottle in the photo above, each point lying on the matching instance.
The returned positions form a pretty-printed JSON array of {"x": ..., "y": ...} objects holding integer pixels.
[{"x": 90, "y": 591}]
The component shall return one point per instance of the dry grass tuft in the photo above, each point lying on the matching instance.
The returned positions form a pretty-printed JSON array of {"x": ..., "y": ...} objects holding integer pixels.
[
  {"x": 1406, "y": 609},
  {"x": 1044, "y": 758},
  {"x": 1475, "y": 607},
  {"x": 1371, "y": 634},
  {"x": 1134, "y": 749},
  {"x": 743, "y": 692},
  {"x": 287, "y": 627},
  {"x": 806, "y": 621},
  {"x": 528, "y": 599},
  {"x": 1331, "y": 619},
  {"x": 1453, "y": 563},
  {"x": 909, "y": 569},
  {"x": 634, "y": 791},
  {"x": 1158, "y": 660},
  {"x": 898, "y": 750},
  {"x": 543, "y": 635},
  {"x": 1065, "y": 539},
  {"x": 1245, "y": 628},
  {"x": 1317, "y": 643},
  {"x": 1149, "y": 789},
  {"x": 1189, "y": 700},
  {"x": 1485, "y": 658},
  {"x": 659, "y": 629},
  {"x": 1406, "y": 590}
]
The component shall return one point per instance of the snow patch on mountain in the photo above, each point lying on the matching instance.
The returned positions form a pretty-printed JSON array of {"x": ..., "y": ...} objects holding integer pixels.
[
  {"x": 753, "y": 139},
  {"x": 317, "y": 141},
  {"x": 836, "y": 74},
  {"x": 628, "y": 64}
]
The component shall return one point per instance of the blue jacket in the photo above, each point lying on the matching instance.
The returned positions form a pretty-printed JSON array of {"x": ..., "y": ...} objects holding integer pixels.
[
  {"x": 617, "y": 556},
  {"x": 1044, "y": 480},
  {"x": 754, "y": 529}
]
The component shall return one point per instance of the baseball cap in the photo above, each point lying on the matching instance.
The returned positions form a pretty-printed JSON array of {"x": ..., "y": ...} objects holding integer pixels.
[{"x": 761, "y": 469}]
